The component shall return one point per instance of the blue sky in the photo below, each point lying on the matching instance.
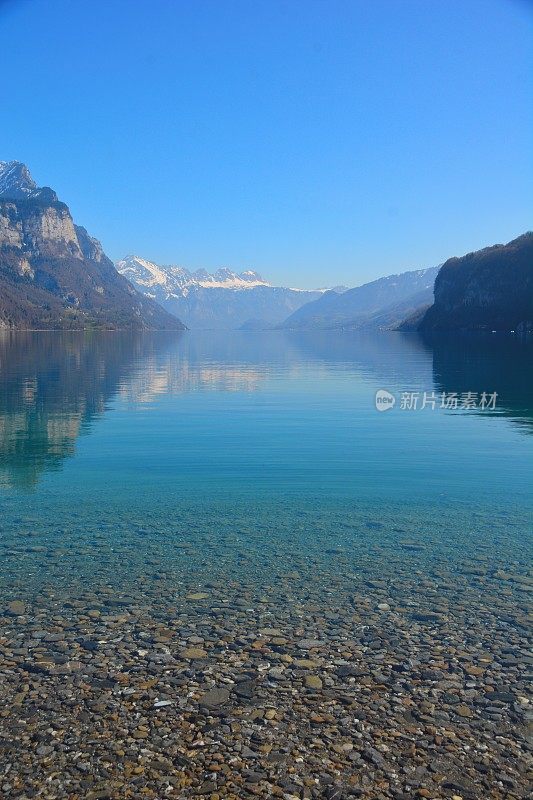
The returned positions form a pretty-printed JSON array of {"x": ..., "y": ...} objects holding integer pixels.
[{"x": 317, "y": 141}]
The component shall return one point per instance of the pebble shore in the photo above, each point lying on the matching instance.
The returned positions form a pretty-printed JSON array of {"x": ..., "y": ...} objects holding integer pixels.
[{"x": 360, "y": 670}]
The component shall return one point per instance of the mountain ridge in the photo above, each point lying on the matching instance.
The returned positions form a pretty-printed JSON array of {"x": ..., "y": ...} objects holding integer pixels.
[
  {"x": 173, "y": 277},
  {"x": 487, "y": 289},
  {"x": 222, "y": 300},
  {"x": 355, "y": 307},
  {"x": 53, "y": 274}
]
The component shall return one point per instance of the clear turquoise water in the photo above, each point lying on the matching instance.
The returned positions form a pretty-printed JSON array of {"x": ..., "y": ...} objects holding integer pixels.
[
  {"x": 137, "y": 471},
  {"x": 270, "y": 439}
]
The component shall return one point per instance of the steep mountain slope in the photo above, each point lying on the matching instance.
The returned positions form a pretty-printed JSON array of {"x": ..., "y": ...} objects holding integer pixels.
[
  {"x": 490, "y": 289},
  {"x": 224, "y": 300},
  {"x": 358, "y": 307},
  {"x": 53, "y": 274},
  {"x": 390, "y": 317},
  {"x": 16, "y": 181}
]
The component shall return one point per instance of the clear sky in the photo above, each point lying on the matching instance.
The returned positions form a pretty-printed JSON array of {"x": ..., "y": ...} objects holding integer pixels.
[{"x": 317, "y": 141}]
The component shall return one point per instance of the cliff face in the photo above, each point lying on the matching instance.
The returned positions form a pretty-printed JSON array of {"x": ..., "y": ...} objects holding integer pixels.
[
  {"x": 53, "y": 274},
  {"x": 490, "y": 289}
]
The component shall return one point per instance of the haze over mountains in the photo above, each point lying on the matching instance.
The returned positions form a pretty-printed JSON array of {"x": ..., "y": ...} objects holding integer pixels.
[
  {"x": 223, "y": 300},
  {"x": 486, "y": 290},
  {"x": 53, "y": 274},
  {"x": 384, "y": 302}
]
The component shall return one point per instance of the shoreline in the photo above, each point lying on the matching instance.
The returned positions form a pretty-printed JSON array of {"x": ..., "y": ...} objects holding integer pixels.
[{"x": 364, "y": 686}]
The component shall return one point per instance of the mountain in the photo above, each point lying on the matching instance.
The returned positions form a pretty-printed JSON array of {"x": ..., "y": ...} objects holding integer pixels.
[
  {"x": 489, "y": 289},
  {"x": 16, "y": 181},
  {"x": 223, "y": 300},
  {"x": 391, "y": 316},
  {"x": 53, "y": 274},
  {"x": 177, "y": 281},
  {"x": 381, "y": 303}
]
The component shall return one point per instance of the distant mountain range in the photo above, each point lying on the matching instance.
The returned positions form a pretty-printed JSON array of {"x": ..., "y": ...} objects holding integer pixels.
[
  {"x": 53, "y": 274},
  {"x": 383, "y": 303},
  {"x": 223, "y": 300},
  {"x": 487, "y": 290}
]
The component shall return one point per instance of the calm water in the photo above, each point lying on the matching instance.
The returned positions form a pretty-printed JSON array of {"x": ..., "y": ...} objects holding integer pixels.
[
  {"x": 197, "y": 512},
  {"x": 267, "y": 436}
]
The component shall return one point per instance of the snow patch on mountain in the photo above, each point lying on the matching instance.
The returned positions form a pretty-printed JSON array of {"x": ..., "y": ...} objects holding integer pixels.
[
  {"x": 222, "y": 300},
  {"x": 177, "y": 281},
  {"x": 16, "y": 181}
]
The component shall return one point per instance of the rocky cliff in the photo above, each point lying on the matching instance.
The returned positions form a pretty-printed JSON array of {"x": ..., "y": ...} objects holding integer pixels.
[
  {"x": 490, "y": 289},
  {"x": 53, "y": 274}
]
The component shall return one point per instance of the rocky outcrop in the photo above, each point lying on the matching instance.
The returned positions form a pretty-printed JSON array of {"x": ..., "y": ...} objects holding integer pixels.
[
  {"x": 39, "y": 227},
  {"x": 53, "y": 274},
  {"x": 16, "y": 181},
  {"x": 490, "y": 289}
]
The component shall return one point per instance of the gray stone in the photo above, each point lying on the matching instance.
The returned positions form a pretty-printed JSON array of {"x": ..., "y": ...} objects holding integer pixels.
[{"x": 214, "y": 698}]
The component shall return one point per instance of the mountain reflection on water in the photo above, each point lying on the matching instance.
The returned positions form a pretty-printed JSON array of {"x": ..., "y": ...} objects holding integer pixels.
[{"x": 54, "y": 385}]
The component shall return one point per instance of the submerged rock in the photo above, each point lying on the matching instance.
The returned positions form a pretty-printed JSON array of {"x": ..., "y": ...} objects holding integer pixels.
[{"x": 16, "y": 608}]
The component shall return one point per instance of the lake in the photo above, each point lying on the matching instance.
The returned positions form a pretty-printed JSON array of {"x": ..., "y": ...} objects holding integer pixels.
[{"x": 218, "y": 537}]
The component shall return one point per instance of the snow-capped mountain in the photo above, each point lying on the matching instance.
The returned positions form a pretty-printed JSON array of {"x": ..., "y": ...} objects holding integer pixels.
[
  {"x": 220, "y": 300},
  {"x": 16, "y": 181},
  {"x": 176, "y": 280}
]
